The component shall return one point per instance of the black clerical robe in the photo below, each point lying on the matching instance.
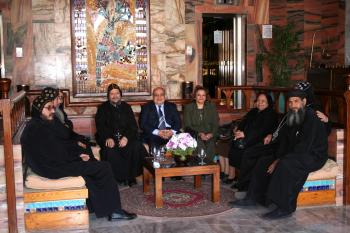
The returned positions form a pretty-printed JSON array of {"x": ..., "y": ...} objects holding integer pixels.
[
  {"x": 255, "y": 125},
  {"x": 302, "y": 149},
  {"x": 49, "y": 151},
  {"x": 112, "y": 121}
]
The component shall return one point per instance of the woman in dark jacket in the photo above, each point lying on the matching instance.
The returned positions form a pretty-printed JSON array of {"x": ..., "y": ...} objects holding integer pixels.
[
  {"x": 251, "y": 131},
  {"x": 201, "y": 120}
]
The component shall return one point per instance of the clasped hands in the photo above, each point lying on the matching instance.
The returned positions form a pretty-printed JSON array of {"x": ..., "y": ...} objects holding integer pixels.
[
  {"x": 84, "y": 157},
  {"x": 111, "y": 143},
  {"x": 238, "y": 134},
  {"x": 165, "y": 133},
  {"x": 205, "y": 136}
]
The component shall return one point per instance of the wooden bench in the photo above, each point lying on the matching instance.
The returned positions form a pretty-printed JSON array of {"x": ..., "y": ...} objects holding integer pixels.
[
  {"x": 320, "y": 187},
  {"x": 56, "y": 209},
  {"x": 49, "y": 209}
]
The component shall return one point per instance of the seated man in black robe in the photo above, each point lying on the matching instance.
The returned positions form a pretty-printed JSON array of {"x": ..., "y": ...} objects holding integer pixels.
[
  {"x": 57, "y": 97},
  {"x": 303, "y": 148},
  {"x": 117, "y": 135},
  {"x": 159, "y": 120},
  {"x": 49, "y": 151},
  {"x": 252, "y": 154}
]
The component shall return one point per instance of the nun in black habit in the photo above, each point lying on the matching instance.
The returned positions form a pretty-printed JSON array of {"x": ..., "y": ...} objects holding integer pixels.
[
  {"x": 303, "y": 147},
  {"x": 50, "y": 152},
  {"x": 251, "y": 131},
  {"x": 117, "y": 135}
]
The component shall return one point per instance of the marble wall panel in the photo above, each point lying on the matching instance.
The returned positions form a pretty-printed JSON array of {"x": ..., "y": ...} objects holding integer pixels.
[
  {"x": 43, "y": 10},
  {"x": 174, "y": 12},
  {"x": 191, "y": 63},
  {"x": 44, "y": 39},
  {"x": 175, "y": 67},
  {"x": 62, "y": 36},
  {"x": 167, "y": 44},
  {"x": 63, "y": 71},
  {"x": 62, "y": 11},
  {"x": 45, "y": 71},
  {"x": 18, "y": 32},
  {"x": 158, "y": 63}
]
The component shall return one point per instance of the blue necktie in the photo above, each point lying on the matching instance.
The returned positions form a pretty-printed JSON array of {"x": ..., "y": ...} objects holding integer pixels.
[{"x": 161, "y": 119}]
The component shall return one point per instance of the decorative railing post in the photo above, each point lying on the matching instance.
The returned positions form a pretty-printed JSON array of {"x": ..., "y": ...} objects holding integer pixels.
[
  {"x": 5, "y": 106},
  {"x": 347, "y": 146}
]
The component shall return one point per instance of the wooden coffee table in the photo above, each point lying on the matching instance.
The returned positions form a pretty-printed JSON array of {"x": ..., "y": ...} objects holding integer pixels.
[{"x": 195, "y": 170}]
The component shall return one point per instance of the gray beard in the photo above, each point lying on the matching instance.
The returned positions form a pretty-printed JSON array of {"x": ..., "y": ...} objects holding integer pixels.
[{"x": 295, "y": 118}]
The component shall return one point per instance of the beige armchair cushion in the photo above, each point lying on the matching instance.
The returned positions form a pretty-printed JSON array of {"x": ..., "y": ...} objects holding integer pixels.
[
  {"x": 35, "y": 181},
  {"x": 328, "y": 171}
]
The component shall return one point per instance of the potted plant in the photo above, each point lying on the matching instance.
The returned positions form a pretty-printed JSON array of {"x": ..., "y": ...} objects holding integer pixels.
[{"x": 283, "y": 50}]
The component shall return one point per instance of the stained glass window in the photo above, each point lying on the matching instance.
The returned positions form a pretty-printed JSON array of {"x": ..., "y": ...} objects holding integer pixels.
[{"x": 111, "y": 45}]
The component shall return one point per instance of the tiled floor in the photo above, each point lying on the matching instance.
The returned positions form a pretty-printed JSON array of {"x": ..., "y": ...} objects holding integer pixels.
[{"x": 318, "y": 219}]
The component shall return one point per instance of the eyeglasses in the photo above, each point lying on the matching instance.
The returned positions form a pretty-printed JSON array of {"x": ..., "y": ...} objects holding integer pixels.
[{"x": 50, "y": 107}]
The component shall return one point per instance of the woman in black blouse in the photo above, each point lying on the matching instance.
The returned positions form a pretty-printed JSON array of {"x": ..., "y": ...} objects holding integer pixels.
[{"x": 252, "y": 130}]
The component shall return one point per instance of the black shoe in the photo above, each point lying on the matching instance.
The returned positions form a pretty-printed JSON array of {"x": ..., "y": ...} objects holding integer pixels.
[
  {"x": 228, "y": 181},
  {"x": 223, "y": 176},
  {"x": 246, "y": 202},
  {"x": 277, "y": 214},
  {"x": 121, "y": 215},
  {"x": 132, "y": 182},
  {"x": 122, "y": 183},
  {"x": 235, "y": 186}
]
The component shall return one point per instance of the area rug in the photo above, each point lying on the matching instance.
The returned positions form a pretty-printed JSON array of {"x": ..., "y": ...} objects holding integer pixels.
[{"x": 180, "y": 199}]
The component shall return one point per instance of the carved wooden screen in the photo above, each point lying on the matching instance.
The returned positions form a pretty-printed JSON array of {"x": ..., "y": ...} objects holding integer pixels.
[{"x": 110, "y": 43}]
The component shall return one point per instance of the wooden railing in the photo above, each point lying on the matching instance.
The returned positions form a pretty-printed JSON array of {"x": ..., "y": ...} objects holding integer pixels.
[
  {"x": 68, "y": 102},
  {"x": 332, "y": 102},
  {"x": 13, "y": 117},
  {"x": 231, "y": 93}
]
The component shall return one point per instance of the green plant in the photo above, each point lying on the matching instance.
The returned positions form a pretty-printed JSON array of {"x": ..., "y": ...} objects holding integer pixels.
[{"x": 283, "y": 51}]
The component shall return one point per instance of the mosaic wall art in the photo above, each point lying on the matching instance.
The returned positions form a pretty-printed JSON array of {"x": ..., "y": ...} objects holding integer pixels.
[{"x": 110, "y": 45}]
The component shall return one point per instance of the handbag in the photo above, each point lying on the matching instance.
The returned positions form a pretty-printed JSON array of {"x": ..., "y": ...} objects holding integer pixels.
[{"x": 239, "y": 144}]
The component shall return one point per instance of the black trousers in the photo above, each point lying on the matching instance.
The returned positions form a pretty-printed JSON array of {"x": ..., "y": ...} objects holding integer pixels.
[
  {"x": 126, "y": 162},
  {"x": 260, "y": 179},
  {"x": 104, "y": 197},
  {"x": 249, "y": 160},
  {"x": 282, "y": 187}
]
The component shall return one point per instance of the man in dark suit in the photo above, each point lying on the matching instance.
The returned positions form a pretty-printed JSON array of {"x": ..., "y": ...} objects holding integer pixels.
[{"x": 159, "y": 119}]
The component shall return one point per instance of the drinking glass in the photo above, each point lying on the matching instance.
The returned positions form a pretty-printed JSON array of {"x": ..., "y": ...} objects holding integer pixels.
[
  {"x": 154, "y": 151},
  {"x": 162, "y": 153},
  {"x": 202, "y": 155},
  {"x": 158, "y": 156}
]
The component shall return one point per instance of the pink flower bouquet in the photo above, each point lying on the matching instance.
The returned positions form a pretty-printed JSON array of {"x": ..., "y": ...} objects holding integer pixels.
[{"x": 181, "y": 144}]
